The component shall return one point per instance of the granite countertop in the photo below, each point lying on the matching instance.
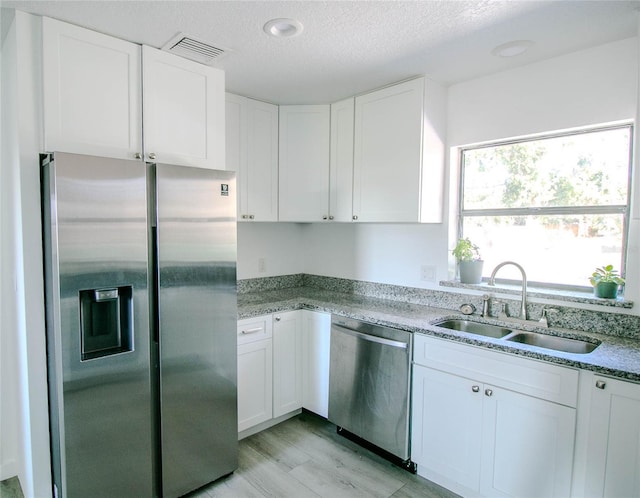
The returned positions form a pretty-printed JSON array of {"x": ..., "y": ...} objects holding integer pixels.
[{"x": 615, "y": 356}]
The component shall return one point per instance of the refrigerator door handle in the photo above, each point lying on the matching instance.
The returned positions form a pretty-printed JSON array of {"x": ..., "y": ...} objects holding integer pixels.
[
  {"x": 154, "y": 270},
  {"x": 154, "y": 302}
]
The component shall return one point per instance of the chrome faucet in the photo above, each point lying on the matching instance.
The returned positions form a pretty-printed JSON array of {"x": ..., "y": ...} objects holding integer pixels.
[
  {"x": 485, "y": 305},
  {"x": 523, "y": 305}
]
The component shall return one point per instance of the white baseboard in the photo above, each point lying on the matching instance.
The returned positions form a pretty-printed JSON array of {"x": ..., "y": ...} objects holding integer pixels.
[
  {"x": 8, "y": 469},
  {"x": 266, "y": 424}
]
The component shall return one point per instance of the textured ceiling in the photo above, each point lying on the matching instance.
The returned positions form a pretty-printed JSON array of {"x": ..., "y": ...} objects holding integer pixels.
[{"x": 348, "y": 47}]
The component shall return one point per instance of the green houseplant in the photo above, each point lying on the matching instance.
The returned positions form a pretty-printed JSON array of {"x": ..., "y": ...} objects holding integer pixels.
[
  {"x": 469, "y": 261},
  {"x": 605, "y": 281}
]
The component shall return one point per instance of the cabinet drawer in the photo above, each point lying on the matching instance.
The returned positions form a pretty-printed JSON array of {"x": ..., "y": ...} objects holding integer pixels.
[
  {"x": 254, "y": 329},
  {"x": 531, "y": 377}
]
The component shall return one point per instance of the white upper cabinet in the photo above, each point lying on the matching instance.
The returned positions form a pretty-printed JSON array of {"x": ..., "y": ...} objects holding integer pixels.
[
  {"x": 92, "y": 92},
  {"x": 252, "y": 152},
  {"x": 304, "y": 163},
  {"x": 93, "y": 100},
  {"x": 183, "y": 111},
  {"x": 399, "y": 153},
  {"x": 341, "y": 161}
]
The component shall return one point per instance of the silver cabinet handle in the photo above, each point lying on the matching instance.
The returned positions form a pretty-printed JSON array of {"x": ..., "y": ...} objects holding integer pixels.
[
  {"x": 245, "y": 216},
  {"x": 252, "y": 331},
  {"x": 330, "y": 217},
  {"x": 475, "y": 389},
  {"x": 137, "y": 155},
  {"x": 488, "y": 392},
  {"x": 324, "y": 217},
  {"x": 277, "y": 319},
  {"x": 355, "y": 217},
  {"x": 251, "y": 217},
  {"x": 601, "y": 384},
  {"x": 152, "y": 155}
]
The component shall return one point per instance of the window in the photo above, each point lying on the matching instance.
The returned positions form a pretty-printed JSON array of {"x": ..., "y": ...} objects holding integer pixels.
[{"x": 557, "y": 205}]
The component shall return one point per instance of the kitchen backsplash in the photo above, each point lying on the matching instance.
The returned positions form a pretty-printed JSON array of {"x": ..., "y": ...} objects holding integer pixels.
[{"x": 616, "y": 324}]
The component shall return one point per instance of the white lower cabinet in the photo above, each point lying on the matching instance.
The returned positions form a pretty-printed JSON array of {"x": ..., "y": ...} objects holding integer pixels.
[
  {"x": 609, "y": 438},
  {"x": 255, "y": 372},
  {"x": 316, "y": 340},
  {"x": 490, "y": 424},
  {"x": 283, "y": 365},
  {"x": 287, "y": 363},
  {"x": 527, "y": 447},
  {"x": 446, "y": 427}
]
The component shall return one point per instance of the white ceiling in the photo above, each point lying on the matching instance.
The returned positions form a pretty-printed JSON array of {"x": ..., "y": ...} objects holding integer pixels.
[{"x": 349, "y": 47}]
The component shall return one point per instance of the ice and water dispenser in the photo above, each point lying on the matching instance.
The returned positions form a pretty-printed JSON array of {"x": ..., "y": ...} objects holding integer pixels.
[{"x": 106, "y": 321}]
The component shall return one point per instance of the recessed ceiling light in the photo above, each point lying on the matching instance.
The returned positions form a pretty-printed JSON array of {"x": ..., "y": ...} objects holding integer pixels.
[
  {"x": 512, "y": 48},
  {"x": 283, "y": 28}
]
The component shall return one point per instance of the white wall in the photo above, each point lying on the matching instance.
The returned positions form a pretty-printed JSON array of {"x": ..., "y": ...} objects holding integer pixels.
[
  {"x": 22, "y": 326},
  {"x": 389, "y": 253},
  {"x": 583, "y": 88},
  {"x": 278, "y": 244},
  {"x": 9, "y": 392},
  {"x": 588, "y": 87}
]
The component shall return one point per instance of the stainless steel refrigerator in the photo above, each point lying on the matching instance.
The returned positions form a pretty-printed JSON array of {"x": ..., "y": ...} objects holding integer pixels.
[{"x": 140, "y": 279}]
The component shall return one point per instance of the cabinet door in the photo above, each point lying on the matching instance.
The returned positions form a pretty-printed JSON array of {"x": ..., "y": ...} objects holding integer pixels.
[
  {"x": 287, "y": 363},
  {"x": 252, "y": 152},
  {"x": 388, "y": 153},
  {"x": 260, "y": 174},
  {"x": 235, "y": 135},
  {"x": 255, "y": 377},
  {"x": 184, "y": 119},
  {"x": 446, "y": 426},
  {"x": 613, "y": 454},
  {"x": 92, "y": 92},
  {"x": 304, "y": 163},
  {"x": 316, "y": 342},
  {"x": 341, "y": 161},
  {"x": 527, "y": 448}
]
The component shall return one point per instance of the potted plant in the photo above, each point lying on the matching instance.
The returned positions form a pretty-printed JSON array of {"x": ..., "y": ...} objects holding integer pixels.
[
  {"x": 469, "y": 261},
  {"x": 605, "y": 282}
]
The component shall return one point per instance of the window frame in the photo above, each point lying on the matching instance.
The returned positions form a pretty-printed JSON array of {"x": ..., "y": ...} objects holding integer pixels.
[{"x": 623, "y": 209}]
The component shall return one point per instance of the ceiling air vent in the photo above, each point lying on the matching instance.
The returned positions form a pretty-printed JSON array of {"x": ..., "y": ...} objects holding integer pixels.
[{"x": 195, "y": 50}]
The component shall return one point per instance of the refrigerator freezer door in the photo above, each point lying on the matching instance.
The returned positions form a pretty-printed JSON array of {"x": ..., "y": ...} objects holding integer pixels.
[
  {"x": 196, "y": 226},
  {"x": 95, "y": 234}
]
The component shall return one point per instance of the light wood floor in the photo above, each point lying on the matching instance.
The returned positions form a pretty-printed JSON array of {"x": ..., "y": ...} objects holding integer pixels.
[{"x": 304, "y": 457}]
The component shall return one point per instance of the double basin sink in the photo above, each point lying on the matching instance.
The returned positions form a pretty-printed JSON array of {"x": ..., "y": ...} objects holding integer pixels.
[{"x": 555, "y": 343}]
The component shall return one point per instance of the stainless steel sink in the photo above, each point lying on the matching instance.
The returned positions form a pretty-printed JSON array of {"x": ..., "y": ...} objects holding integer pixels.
[
  {"x": 553, "y": 342},
  {"x": 513, "y": 335},
  {"x": 484, "y": 329}
]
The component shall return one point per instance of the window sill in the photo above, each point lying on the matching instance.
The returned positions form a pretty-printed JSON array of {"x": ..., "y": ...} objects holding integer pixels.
[{"x": 532, "y": 291}]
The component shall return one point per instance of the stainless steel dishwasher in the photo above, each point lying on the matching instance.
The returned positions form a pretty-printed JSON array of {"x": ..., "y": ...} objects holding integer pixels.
[{"x": 369, "y": 386}]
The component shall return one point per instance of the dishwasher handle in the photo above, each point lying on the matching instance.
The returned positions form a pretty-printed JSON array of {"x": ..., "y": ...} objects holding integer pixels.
[{"x": 371, "y": 338}]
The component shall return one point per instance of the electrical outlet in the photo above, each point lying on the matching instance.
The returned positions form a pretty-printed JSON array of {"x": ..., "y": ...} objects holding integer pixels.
[
  {"x": 262, "y": 265},
  {"x": 428, "y": 273}
]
